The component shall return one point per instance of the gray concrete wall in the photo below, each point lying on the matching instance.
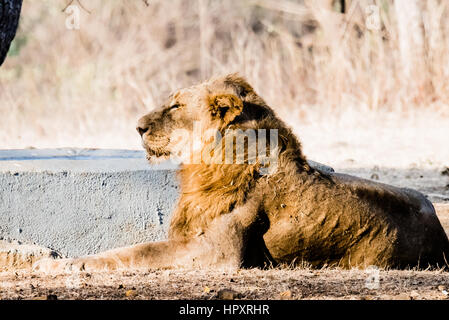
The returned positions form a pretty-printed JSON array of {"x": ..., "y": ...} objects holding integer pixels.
[{"x": 84, "y": 201}]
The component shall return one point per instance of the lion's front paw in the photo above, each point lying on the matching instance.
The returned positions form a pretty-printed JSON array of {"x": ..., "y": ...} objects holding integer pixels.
[
  {"x": 50, "y": 265},
  {"x": 91, "y": 264}
]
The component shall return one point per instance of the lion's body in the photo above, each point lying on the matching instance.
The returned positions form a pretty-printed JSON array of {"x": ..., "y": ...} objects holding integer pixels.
[
  {"x": 235, "y": 215},
  {"x": 346, "y": 221}
]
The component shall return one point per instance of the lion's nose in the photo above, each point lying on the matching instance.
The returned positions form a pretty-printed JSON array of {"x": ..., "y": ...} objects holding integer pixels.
[
  {"x": 143, "y": 125},
  {"x": 142, "y": 130}
]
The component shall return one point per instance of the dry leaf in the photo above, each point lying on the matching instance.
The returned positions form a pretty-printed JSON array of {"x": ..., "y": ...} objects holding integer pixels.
[
  {"x": 286, "y": 294},
  {"x": 131, "y": 293}
]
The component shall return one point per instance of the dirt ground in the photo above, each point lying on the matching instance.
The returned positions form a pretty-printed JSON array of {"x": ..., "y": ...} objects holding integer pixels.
[
  {"x": 298, "y": 283},
  {"x": 245, "y": 284}
]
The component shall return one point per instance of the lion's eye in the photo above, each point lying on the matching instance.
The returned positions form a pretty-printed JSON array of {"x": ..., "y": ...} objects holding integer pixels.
[{"x": 174, "y": 107}]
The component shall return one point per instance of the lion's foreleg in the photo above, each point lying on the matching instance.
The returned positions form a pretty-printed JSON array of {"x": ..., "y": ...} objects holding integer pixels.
[
  {"x": 200, "y": 252},
  {"x": 226, "y": 239},
  {"x": 222, "y": 245},
  {"x": 152, "y": 255}
]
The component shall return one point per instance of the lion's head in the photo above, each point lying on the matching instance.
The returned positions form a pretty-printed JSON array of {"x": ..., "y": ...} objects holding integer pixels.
[
  {"x": 248, "y": 142},
  {"x": 217, "y": 104}
]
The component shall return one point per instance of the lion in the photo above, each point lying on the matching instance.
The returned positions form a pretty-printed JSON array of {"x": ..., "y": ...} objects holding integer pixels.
[{"x": 256, "y": 214}]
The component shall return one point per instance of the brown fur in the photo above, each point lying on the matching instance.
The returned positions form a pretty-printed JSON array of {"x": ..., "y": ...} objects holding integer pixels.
[{"x": 232, "y": 215}]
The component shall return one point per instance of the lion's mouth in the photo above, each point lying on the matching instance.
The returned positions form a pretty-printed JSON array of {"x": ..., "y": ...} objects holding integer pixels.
[{"x": 156, "y": 152}]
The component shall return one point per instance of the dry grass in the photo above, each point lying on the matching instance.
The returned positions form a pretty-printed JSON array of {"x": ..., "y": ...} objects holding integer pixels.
[{"x": 87, "y": 87}]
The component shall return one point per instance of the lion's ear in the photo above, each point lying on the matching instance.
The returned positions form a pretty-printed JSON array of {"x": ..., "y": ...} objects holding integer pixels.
[{"x": 225, "y": 107}]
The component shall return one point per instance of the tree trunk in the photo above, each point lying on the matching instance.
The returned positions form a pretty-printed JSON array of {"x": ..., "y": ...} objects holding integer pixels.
[{"x": 9, "y": 20}]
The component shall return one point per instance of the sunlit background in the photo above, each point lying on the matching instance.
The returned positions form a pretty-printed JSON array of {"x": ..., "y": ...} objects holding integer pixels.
[{"x": 364, "y": 83}]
